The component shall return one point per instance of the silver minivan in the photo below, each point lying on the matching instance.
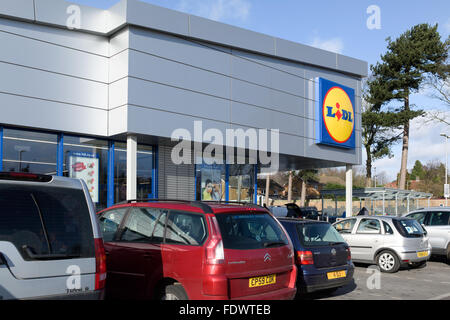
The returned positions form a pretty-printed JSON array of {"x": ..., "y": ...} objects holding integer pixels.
[
  {"x": 50, "y": 242},
  {"x": 387, "y": 241},
  {"x": 437, "y": 223}
]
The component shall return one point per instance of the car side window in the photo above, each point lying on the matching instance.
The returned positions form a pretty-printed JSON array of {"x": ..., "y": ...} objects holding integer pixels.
[
  {"x": 371, "y": 226},
  {"x": 387, "y": 228},
  {"x": 185, "y": 228},
  {"x": 140, "y": 225},
  {"x": 439, "y": 218},
  {"x": 110, "y": 222},
  {"x": 419, "y": 216},
  {"x": 345, "y": 226}
]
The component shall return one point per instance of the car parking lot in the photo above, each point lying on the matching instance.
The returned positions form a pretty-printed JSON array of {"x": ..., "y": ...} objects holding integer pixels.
[{"x": 429, "y": 283}]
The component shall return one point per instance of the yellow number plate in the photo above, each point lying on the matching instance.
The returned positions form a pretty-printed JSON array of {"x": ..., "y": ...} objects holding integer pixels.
[
  {"x": 336, "y": 275},
  {"x": 422, "y": 254},
  {"x": 262, "y": 281}
]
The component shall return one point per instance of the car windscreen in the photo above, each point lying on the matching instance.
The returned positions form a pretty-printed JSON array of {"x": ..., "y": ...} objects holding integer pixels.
[
  {"x": 46, "y": 222},
  {"x": 250, "y": 231},
  {"x": 409, "y": 228},
  {"x": 318, "y": 234}
]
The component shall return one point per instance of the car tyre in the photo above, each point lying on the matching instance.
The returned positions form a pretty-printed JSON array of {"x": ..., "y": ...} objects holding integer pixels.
[
  {"x": 388, "y": 261},
  {"x": 173, "y": 292}
]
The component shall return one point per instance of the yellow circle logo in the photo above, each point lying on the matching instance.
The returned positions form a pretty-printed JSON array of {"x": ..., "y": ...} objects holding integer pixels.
[{"x": 338, "y": 115}]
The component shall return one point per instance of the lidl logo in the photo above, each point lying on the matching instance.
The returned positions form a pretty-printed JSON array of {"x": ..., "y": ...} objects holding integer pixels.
[{"x": 336, "y": 114}]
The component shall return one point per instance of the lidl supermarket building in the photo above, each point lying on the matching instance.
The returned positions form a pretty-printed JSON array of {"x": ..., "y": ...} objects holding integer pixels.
[{"x": 97, "y": 94}]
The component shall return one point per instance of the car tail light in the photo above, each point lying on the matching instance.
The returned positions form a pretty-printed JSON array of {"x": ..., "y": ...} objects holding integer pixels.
[
  {"x": 214, "y": 247},
  {"x": 20, "y": 176},
  {"x": 305, "y": 257},
  {"x": 100, "y": 264},
  {"x": 349, "y": 254}
]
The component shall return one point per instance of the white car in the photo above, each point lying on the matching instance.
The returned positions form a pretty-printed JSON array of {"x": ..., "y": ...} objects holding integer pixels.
[{"x": 437, "y": 223}]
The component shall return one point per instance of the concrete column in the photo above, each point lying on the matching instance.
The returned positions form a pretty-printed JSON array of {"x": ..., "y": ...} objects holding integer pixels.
[
  {"x": 349, "y": 191},
  {"x": 267, "y": 190},
  {"x": 290, "y": 187},
  {"x": 131, "y": 167}
]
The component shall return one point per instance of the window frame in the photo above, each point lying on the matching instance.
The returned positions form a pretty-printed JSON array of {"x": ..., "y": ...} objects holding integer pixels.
[
  {"x": 125, "y": 220},
  {"x": 342, "y": 221},
  {"x": 170, "y": 212},
  {"x": 368, "y": 233},
  {"x": 115, "y": 237}
]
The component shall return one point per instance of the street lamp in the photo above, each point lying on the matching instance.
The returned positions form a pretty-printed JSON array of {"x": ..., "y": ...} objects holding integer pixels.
[{"x": 446, "y": 166}]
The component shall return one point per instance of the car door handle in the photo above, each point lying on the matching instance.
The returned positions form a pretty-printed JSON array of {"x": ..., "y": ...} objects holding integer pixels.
[
  {"x": 147, "y": 255},
  {"x": 107, "y": 252}
]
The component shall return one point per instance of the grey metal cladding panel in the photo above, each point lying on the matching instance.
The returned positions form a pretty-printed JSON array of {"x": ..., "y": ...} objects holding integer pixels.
[
  {"x": 287, "y": 144},
  {"x": 305, "y": 54},
  {"x": 48, "y": 57},
  {"x": 119, "y": 42},
  {"x": 45, "y": 85},
  {"x": 154, "y": 17},
  {"x": 313, "y": 150},
  {"x": 264, "y": 97},
  {"x": 166, "y": 98},
  {"x": 23, "y": 9},
  {"x": 118, "y": 121},
  {"x": 163, "y": 124},
  {"x": 181, "y": 50},
  {"x": 312, "y": 72},
  {"x": 352, "y": 65},
  {"x": 118, "y": 93},
  {"x": 293, "y": 68},
  {"x": 163, "y": 71},
  {"x": 42, "y": 114},
  {"x": 62, "y": 37},
  {"x": 229, "y": 35},
  {"x": 288, "y": 83},
  {"x": 118, "y": 66},
  {"x": 57, "y": 12},
  {"x": 249, "y": 71},
  {"x": 250, "y": 116}
]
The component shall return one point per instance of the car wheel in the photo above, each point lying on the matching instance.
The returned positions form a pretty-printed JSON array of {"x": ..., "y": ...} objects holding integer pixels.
[
  {"x": 173, "y": 292},
  {"x": 388, "y": 262}
]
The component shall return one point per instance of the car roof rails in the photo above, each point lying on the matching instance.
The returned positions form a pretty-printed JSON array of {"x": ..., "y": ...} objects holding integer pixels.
[
  {"x": 198, "y": 204},
  {"x": 241, "y": 203}
]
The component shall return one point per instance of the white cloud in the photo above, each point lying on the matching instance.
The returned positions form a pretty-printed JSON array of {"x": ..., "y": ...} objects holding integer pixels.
[
  {"x": 219, "y": 10},
  {"x": 335, "y": 44}
]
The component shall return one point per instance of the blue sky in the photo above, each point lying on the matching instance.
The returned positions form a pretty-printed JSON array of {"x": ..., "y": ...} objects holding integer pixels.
[{"x": 338, "y": 26}]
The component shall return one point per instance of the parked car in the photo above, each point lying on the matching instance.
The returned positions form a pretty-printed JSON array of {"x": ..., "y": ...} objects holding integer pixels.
[
  {"x": 50, "y": 240},
  {"x": 179, "y": 250},
  {"x": 437, "y": 223},
  {"x": 322, "y": 256},
  {"x": 387, "y": 241}
]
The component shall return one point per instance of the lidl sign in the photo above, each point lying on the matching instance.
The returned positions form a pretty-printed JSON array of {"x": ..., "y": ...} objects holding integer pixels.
[{"x": 335, "y": 111}]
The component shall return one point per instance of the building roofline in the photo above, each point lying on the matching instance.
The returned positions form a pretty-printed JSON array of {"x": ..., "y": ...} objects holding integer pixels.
[{"x": 137, "y": 13}]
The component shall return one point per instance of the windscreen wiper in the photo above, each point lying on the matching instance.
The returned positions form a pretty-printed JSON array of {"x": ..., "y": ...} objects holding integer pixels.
[
  {"x": 52, "y": 256},
  {"x": 274, "y": 243}
]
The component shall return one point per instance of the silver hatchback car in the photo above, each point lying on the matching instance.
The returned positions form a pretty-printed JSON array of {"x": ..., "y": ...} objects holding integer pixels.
[{"x": 387, "y": 241}]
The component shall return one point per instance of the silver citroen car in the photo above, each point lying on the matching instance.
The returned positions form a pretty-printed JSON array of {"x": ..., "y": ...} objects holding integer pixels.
[{"x": 387, "y": 241}]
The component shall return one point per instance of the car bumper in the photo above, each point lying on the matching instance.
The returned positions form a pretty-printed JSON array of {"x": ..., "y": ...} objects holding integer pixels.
[
  {"x": 316, "y": 280},
  {"x": 90, "y": 295},
  {"x": 282, "y": 294},
  {"x": 412, "y": 256}
]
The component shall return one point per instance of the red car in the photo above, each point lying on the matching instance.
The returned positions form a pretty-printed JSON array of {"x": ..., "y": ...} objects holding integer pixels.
[{"x": 179, "y": 250}]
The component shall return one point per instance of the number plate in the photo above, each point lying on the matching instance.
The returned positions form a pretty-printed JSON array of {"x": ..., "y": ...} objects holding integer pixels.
[
  {"x": 422, "y": 254},
  {"x": 336, "y": 275},
  {"x": 262, "y": 281}
]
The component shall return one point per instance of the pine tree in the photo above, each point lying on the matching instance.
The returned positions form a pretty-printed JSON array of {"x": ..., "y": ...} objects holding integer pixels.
[{"x": 413, "y": 56}]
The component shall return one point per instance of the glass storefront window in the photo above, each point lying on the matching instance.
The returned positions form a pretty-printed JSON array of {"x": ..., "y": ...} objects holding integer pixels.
[
  {"x": 210, "y": 182},
  {"x": 29, "y": 151},
  {"x": 120, "y": 172},
  {"x": 144, "y": 172},
  {"x": 87, "y": 159},
  {"x": 241, "y": 182}
]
